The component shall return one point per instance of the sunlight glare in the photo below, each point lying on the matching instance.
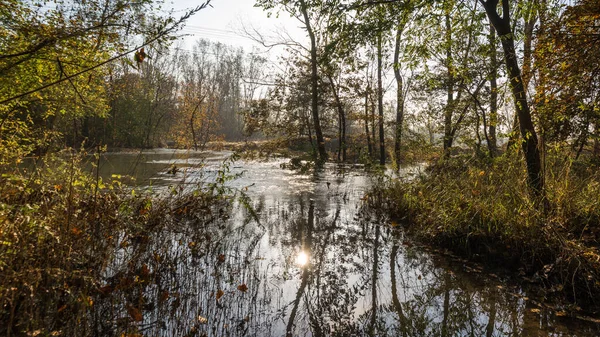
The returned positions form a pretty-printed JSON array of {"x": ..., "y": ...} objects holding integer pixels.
[{"x": 302, "y": 259}]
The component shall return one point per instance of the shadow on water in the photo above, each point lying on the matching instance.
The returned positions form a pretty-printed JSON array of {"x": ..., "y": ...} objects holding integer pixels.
[{"x": 318, "y": 262}]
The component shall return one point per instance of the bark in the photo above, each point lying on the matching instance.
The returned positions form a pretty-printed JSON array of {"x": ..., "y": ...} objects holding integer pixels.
[
  {"x": 530, "y": 19},
  {"x": 452, "y": 101},
  {"x": 314, "y": 84},
  {"x": 597, "y": 139},
  {"x": 380, "y": 100},
  {"x": 367, "y": 124},
  {"x": 399, "y": 95},
  {"x": 373, "y": 128},
  {"x": 535, "y": 177},
  {"x": 491, "y": 134},
  {"x": 449, "y": 87},
  {"x": 192, "y": 117},
  {"x": 341, "y": 121}
]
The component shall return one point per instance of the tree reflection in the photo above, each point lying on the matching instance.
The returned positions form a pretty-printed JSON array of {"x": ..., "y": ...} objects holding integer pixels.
[
  {"x": 234, "y": 277},
  {"x": 395, "y": 300},
  {"x": 306, "y": 247}
]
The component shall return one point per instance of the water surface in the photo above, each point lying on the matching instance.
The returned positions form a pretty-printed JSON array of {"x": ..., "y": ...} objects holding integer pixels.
[{"x": 310, "y": 260}]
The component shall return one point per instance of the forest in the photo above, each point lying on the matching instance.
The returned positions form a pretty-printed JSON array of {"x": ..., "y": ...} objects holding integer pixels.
[{"x": 495, "y": 103}]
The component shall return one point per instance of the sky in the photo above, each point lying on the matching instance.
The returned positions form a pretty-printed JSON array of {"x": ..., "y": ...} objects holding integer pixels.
[{"x": 225, "y": 21}]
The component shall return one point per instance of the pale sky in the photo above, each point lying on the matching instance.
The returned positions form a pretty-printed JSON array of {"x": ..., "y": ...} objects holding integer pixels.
[{"x": 224, "y": 21}]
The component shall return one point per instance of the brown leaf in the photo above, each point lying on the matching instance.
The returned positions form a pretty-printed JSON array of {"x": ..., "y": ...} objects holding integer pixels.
[
  {"x": 243, "y": 287},
  {"x": 164, "y": 295},
  {"x": 145, "y": 271},
  {"x": 135, "y": 313},
  {"x": 106, "y": 290},
  {"x": 220, "y": 294}
]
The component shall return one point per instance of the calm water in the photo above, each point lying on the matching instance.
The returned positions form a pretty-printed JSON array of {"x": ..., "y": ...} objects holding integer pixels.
[{"x": 315, "y": 262}]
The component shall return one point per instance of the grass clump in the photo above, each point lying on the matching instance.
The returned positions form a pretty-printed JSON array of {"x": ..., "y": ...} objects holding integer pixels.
[
  {"x": 482, "y": 208},
  {"x": 71, "y": 248}
]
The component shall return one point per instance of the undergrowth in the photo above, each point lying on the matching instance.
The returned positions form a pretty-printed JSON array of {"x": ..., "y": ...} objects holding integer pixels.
[
  {"x": 482, "y": 208},
  {"x": 63, "y": 236}
]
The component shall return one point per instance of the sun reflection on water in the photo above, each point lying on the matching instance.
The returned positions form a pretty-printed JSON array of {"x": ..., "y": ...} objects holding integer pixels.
[{"x": 302, "y": 259}]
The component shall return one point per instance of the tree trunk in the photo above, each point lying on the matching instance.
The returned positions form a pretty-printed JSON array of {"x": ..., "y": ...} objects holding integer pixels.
[
  {"x": 530, "y": 18},
  {"x": 535, "y": 177},
  {"x": 380, "y": 100},
  {"x": 373, "y": 128},
  {"x": 399, "y": 95},
  {"x": 597, "y": 139},
  {"x": 314, "y": 81},
  {"x": 192, "y": 129},
  {"x": 367, "y": 124},
  {"x": 449, "y": 87},
  {"x": 492, "y": 141},
  {"x": 341, "y": 121}
]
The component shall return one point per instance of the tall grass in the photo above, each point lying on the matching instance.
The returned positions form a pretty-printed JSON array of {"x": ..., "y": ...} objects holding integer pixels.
[
  {"x": 482, "y": 208},
  {"x": 61, "y": 229}
]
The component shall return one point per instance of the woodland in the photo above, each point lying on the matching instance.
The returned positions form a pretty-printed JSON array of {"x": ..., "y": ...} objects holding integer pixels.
[{"x": 499, "y": 99}]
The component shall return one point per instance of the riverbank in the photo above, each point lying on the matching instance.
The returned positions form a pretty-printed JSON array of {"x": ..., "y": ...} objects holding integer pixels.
[{"x": 481, "y": 209}]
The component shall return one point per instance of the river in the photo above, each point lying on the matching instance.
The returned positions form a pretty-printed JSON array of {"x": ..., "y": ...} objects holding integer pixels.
[{"x": 313, "y": 261}]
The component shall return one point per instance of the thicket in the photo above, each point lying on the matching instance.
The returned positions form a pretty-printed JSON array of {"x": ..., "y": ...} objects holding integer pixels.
[
  {"x": 482, "y": 208},
  {"x": 76, "y": 257}
]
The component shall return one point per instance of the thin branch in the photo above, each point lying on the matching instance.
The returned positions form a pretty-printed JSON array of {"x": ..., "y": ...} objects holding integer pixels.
[{"x": 68, "y": 78}]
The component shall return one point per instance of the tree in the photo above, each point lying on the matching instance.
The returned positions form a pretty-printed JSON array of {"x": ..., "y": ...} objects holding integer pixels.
[
  {"x": 567, "y": 60},
  {"x": 502, "y": 25},
  {"x": 46, "y": 51},
  {"x": 301, "y": 10}
]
